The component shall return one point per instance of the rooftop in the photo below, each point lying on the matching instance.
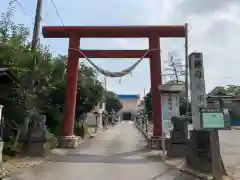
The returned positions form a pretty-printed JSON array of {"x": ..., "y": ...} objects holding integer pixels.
[{"x": 128, "y": 96}]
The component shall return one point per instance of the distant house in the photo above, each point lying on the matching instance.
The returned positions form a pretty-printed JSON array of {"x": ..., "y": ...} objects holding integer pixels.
[
  {"x": 231, "y": 102},
  {"x": 130, "y": 104},
  {"x": 94, "y": 118}
]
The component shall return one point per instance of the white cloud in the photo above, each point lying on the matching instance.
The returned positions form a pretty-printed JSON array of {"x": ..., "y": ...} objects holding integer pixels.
[
  {"x": 214, "y": 31},
  {"x": 204, "y": 7},
  {"x": 214, "y": 25},
  {"x": 216, "y": 34}
]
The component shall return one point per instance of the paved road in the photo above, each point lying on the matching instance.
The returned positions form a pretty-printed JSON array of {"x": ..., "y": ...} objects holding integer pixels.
[
  {"x": 117, "y": 154},
  {"x": 230, "y": 150}
]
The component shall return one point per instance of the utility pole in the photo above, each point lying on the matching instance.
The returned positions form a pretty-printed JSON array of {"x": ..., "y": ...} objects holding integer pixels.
[
  {"x": 36, "y": 28},
  {"x": 35, "y": 36},
  {"x": 186, "y": 67},
  {"x": 105, "y": 97},
  {"x": 145, "y": 112},
  {"x": 144, "y": 94},
  {"x": 105, "y": 91},
  {"x": 105, "y": 88}
]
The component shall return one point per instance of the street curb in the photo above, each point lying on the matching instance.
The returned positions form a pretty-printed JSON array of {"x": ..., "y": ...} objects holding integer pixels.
[
  {"x": 143, "y": 133},
  {"x": 197, "y": 174},
  {"x": 92, "y": 136},
  {"x": 193, "y": 173},
  {"x": 64, "y": 151}
]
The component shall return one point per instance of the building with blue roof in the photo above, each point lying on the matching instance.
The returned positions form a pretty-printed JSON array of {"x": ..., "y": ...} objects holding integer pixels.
[
  {"x": 130, "y": 104},
  {"x": 128, "y": 96}
]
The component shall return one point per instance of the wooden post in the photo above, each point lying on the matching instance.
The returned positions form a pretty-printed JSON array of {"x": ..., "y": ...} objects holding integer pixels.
[
  {"x": 71, "y": 88},
  {"x": 36, "y": 25},
  {"x": 156, "y": 80}
]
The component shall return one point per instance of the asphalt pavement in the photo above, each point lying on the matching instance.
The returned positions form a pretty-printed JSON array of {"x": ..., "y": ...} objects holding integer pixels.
[{"x": 116, "y": 154}]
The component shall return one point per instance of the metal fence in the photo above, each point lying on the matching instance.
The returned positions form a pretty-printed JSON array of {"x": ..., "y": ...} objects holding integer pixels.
[{"x": 143, "y": 124}]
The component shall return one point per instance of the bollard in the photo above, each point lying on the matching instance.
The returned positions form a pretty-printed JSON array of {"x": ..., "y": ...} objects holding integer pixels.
[{"x": 163, "y": 141}]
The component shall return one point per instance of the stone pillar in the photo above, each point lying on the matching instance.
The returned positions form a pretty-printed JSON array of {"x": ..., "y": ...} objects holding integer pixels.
[
  {"x": 178, "y": 138},
  {"x": 37, "y": 142},
  {"x": 156, "y": 80},
  {"x": 67, "y": 138}
]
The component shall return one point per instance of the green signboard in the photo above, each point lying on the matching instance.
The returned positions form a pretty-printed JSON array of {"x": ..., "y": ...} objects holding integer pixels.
[{"x": 212, "y": 118}]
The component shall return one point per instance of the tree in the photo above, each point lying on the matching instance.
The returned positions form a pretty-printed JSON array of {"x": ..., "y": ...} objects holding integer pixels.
[
  {"x": 182, "y": 105},
  {"x": 229, "y": 90},
  {"x": 89, "y": 92},
  {"x": 175, "y": 68},
  {"x": 148, "y": 104},
  {"x": 225, "y": 90},
  {"x": 174, "y": 71},
  {"x": 46, "y": 95},
  {"x": 112, "y": 102},
  {"x": 14, "y": 39}
]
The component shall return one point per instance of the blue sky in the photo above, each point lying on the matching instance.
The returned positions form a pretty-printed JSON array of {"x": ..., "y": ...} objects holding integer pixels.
[{"x": 214, "y": 31}]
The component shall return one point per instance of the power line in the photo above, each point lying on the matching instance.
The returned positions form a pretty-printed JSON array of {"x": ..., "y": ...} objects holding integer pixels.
[
  {"x": 24, "y": 9},
  {"x": 59, "y": 16}
]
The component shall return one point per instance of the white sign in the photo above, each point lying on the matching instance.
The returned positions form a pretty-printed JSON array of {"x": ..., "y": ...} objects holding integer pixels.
[
  {"x": 197, "y": 87},
  {"x": 170, "y": 108}
]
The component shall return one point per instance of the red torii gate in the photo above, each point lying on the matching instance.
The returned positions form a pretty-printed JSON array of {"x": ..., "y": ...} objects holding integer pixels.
[{"x": 74, "y": 33}]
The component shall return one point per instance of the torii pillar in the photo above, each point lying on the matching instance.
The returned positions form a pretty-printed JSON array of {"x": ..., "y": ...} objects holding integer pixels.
[{"x": 74, "y": 33}]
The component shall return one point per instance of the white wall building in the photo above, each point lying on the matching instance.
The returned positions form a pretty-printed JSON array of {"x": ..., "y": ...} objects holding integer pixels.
[{"x": 130, "y": 104}]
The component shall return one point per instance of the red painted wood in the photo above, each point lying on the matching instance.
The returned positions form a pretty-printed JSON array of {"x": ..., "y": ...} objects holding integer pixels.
[
  {"x": 151, "y": 32},
  {"x": 67, "y": 128},
  {"x": 112, "y": 31},
  {"x": 156, "y": 80}
]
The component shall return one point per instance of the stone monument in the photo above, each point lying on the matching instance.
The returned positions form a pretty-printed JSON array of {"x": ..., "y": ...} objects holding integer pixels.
[
  {"x": 178, "y": 138},
  {"x": 199, "y": 156},
  {"x": 170, "y": 108},
  {"x": 170, "y": 105},
  {"x": 36, "y": 141},
  {"x": 198, "y": 149}
]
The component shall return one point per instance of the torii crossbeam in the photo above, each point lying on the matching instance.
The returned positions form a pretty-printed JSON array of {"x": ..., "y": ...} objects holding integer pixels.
[{"x": 75, "y": 33}]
